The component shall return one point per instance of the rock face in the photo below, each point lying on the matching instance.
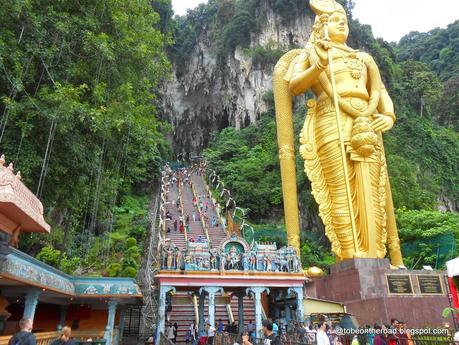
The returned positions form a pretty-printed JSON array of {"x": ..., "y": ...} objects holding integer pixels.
[{"x": 207, "y": 97}]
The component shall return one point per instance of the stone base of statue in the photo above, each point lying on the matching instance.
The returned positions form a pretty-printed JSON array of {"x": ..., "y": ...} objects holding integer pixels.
[{"x": 375, "y": 293}]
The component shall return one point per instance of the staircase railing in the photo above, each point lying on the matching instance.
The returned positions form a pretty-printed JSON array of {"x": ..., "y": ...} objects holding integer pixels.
[
  {"x": 150, "y": 265},
  {"x": 196, "y": 309},
  {"x": 225, "y": 194},
  {"x": 229, "y": 310}
]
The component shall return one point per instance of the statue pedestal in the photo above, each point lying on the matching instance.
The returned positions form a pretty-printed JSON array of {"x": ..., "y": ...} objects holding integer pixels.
[{"x": 373, "y": 292}]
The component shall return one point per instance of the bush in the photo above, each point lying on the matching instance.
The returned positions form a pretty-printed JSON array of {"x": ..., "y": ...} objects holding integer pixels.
[
  {"x": 129, "y": 272},
  {"x": 49, "y": 256},
  {"x": 114, "y": 270},
  {"x": 69, "y": 265},
  {"x": 131, "y": 242}
]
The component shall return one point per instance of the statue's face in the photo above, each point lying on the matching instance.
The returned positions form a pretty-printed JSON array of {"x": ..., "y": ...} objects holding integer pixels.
[{"x": 338, "y": 29}]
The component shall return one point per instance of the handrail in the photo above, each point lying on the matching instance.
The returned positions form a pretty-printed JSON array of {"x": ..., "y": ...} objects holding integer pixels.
[
  {"x": 196, "y": 309},
  {"x": 229, "y": 310},
  {"x": 213, "y": 177}
]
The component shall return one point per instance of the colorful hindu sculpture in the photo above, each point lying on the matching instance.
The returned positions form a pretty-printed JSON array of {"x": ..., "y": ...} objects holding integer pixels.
[
  {"x": 341, "y": 141},
  {"x": 262, "y": 257}
]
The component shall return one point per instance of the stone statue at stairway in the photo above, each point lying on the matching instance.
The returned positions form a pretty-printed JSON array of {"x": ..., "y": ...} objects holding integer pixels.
[{"x": 341, "y": 141}]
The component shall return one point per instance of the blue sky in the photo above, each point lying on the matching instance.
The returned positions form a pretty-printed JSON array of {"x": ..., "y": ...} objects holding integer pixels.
[{"x": 390, "y": 19}]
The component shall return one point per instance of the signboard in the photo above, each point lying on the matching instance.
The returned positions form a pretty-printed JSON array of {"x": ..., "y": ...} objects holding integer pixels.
[
  {"x": 430, "y": 285},
  {"x": 399, "y": 284}
]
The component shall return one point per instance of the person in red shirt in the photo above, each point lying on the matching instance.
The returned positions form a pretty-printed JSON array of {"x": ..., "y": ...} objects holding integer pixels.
[{"x": 393, "y": 334}]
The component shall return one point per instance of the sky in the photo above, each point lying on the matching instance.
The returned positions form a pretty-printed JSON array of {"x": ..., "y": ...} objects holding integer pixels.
[{"x": 390, "y": 19}]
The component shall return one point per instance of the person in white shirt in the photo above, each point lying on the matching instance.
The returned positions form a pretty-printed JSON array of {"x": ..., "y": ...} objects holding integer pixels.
[
  {"x": 210, "y": 334},
  {"x": 170, "y": 332},
  {"x": 322, "y": 337}
]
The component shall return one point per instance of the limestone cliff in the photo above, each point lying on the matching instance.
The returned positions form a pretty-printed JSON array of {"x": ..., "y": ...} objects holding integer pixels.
[{"x": 208, "y": 96}]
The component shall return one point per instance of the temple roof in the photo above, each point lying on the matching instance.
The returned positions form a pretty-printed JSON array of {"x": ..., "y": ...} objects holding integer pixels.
[
  {"x": 22, "y": 269},
  {"x": 19, "y": 207}
]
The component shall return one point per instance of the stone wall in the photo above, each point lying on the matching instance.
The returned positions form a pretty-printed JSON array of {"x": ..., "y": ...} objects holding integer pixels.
[{"x": 362, "y": 286}]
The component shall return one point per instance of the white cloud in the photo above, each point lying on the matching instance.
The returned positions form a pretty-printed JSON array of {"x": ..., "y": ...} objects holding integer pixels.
[
  {"x": 180, "y": 6},
  {"x": 392, "y": 19},
  {"x": 389, "y": 19}
]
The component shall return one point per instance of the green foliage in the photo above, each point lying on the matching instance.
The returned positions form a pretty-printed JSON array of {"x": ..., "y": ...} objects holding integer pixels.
[
  {"x": 447, "y": 111},
  {"x": 130, "y": 272},
  {"x": 114, "y": 270},
  {"x": 70, "y": 265},
  {"x": 264, "y": 55},
  {"x": 406, "y": 187},
  {"x": 420, "y": 87},
  {"x": 426, "y": 224},
  {"x": 79, "y": 80},
  {"x": 437, "y": 48},
  {"x": 131, "y": 242},
  {"x": 428, "y": 237},
  {"x": 315, "y": 254},
  {"x": 237, "y": 32},
  {"x": 55, "y": 258},
  {"x": 247, "y": 161},
  {"x": 49, "y": 256},
  {"x": 432, "y": 152},
  {"x": 288, "y": 9},
  {"x": 447, "y": 312}
]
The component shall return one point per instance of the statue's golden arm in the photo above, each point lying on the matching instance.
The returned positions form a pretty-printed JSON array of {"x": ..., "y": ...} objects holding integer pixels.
[
  {"x": 385, "y": 105},
  {"x": 303, "y": 76}
]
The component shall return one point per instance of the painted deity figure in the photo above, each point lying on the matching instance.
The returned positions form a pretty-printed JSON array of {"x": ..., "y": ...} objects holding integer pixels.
[
  {"x": 170, "y": 259},
  {"x": 253, "y": 261},
  {"x": 178, "y": 260},
  {"x": 222, "y": 261},
  {"x": 245, "y": 261},
  {"x": 341, "y": 139},
  {"x": 233, "y": 258},
  {"x": 213, "y": 259},
  {"x": 269, "y": 262}
]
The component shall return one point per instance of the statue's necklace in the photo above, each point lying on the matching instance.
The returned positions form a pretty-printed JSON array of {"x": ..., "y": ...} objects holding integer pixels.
[{"x": 355, "y": 62}]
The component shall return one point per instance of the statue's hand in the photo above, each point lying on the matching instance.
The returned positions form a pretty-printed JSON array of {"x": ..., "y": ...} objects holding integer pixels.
[
  {"x": 382, "y": 123},
  {"x": 321, "y": 48}
]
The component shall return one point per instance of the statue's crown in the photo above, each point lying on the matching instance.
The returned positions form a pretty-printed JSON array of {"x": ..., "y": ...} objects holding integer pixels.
[{"x": 326, "y": 7}]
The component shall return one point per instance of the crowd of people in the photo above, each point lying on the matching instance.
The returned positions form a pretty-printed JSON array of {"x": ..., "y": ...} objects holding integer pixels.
[
  {"x": 26, "y": 337},
  {"x": 276, "y": 333},
  {"x": 322, "y": 333},
  {"x": 326, "y": 333}
]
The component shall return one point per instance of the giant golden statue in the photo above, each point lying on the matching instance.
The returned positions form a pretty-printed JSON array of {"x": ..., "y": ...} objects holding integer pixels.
[{"x": 341, "y": 141}]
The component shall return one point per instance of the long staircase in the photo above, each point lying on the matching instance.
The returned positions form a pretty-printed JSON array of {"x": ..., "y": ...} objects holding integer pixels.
[
  {"x": 175, "y": 236},
  {"x": 216, "y": 233},
  {"x": 195, "y": 228}
]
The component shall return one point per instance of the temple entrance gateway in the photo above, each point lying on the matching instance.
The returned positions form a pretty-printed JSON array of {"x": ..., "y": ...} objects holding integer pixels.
[
  {"x": 212, "y": 274},
  {"x": 229, "y": 298}
]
